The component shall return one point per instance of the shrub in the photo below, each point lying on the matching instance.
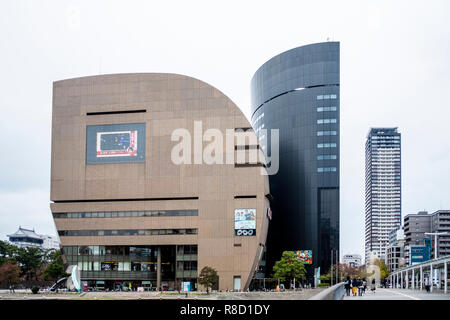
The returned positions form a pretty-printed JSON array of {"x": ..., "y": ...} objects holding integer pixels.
[
  {"x": 323, "y": 285},
  {"x": 35, "y": 290}
]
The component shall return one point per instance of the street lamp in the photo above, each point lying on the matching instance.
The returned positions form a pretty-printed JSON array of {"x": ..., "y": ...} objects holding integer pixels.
[{"x": 435, "y": 234}]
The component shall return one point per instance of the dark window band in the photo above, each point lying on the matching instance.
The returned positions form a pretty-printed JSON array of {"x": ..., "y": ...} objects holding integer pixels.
[
  {"x": 245, "y": 197},
  {"x": 125, "y": 232},
  {"x": 247, "y": 165},
  {"x": 115, "y": 112},
  {"x": 247, "y": 147},
  {"x": 125, "y": 200},
  {"x": 123, "y": 214}
]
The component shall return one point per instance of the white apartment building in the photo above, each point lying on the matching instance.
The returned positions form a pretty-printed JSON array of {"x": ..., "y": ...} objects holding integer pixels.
[{"x": 383, "y": 189}]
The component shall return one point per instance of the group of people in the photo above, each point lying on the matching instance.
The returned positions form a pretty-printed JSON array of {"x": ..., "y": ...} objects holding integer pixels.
[{"x": 357, "y": 286}]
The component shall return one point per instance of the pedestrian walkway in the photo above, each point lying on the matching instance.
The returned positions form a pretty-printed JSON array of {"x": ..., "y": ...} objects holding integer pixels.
[{"x": 399, "y": 294}]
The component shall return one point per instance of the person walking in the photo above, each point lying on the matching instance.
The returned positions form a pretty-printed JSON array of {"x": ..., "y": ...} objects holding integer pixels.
[
  {"x": 360, "y": 287},
  {"x": 373, "y": 286},
  {"x": 347, "y": 285},
  {"x": 427, "y": 284},
  {"x": 364, "y": 285},
  {"x": 354, "y": 287}
]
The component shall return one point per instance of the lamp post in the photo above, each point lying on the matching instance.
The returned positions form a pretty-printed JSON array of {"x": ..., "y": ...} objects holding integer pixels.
[{"x": 435, "y": 234}]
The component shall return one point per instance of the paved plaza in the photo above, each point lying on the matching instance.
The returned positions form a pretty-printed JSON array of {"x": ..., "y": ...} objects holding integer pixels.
[
  {"x": 400, "y": 294},
  {"x": 153, "y": 295}
]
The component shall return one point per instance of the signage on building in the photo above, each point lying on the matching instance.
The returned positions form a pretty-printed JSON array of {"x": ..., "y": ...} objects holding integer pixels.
[
  {"x": 304, "y": 255},
  {"x": 186, "y": 286},
  {"x": 245, "y": 222},
  {"x": 112, "y": 143},
  {"x": 117, "y": 144}
]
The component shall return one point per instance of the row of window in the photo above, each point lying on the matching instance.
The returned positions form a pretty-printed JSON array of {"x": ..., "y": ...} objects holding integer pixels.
[
  {"x": 326, "y": 96},
  {"x": 128, "y": 232},
  {"x": 327, "y": 157},
  {"x": 327, "y": 169},
  {"x": 120, "y": 214},
  {"x": 135, "y": 266},
  {"x": 117, "y": 266},
  {"x": 326, "y": 133},
  {"x": 139, "y": 251},
  {"x": 385, "y": 137},
  {"x": 326, "y": 121},
  {"x": 187, "y": 265},
  {"x": 111, "y": 250},
  {"x": 326, "y": 109},
  {"x": 326, "y": 145}
]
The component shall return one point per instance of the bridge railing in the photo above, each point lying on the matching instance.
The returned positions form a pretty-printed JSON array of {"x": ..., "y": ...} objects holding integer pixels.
[{"x": 335, "y": 292}]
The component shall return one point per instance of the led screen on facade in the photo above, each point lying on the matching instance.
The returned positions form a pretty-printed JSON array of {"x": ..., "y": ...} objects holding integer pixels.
[
  {"x": 304, "y": 255},
  {"x": 245, "y": 222},
  {"x": 111, "y": 143}
]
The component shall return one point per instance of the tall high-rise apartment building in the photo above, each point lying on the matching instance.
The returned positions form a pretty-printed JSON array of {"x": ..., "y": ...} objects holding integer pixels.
[{"x": 383, "y": 189}]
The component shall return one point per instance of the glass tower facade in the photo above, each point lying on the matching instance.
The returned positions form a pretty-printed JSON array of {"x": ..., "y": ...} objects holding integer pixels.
[
  {"x": 383, "y": 189},
  {"x": 297, "y": 92}
]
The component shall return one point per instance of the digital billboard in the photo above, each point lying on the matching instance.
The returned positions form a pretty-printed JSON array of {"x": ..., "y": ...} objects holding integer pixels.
[
  {"x": 245, "y": 222},
  {"x": 304, "y": 255},
  {"x": 112, "y": 143}
]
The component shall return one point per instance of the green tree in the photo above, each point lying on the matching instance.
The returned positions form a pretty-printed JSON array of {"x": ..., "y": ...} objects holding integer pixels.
[
  {"x": 7, "y": 252},
  {"x": 30, "y": 261},
  {"x": 9, "y": 273},
  {"x": 384, "y": 273},
  {"x": 289, "y": 267},
  {"x": 55, "y": 269},
  {"x": 208, "y": 278}
]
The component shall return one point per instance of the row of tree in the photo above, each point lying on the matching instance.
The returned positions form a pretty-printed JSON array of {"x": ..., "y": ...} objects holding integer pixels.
[
  {"x": 344, "y": 271},
  {"x": 288, "y": 268},
  {"x": 33, "y": 264},
  {"x": 22, "y": 265}
]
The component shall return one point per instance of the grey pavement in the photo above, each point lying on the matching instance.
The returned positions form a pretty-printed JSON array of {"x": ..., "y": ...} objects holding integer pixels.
[
  {"x": 399, "y": 294},
  {"x": 287, "y": 295}
]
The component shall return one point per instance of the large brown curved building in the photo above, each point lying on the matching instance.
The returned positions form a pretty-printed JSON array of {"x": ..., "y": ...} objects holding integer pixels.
[{"x": 129, "y": 216}]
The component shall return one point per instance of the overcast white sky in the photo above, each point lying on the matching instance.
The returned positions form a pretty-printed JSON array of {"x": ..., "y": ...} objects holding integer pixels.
[{"x": 395, "y": 71}]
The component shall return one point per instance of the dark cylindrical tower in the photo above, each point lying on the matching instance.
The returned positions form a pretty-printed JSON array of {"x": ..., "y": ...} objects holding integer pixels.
[{"x": 297, "y": 92}]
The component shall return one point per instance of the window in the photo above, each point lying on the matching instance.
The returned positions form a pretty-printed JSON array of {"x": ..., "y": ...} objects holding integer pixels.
[
  {"x": 326, "y": 145},
  {"x": 326, "y": 121},
  {"x": 326, "y": 109},
  {"x": 327, "y": 157},
  {"x": 328, "y": 169},
  {"x": 124, "y": 232},
  {"x": 327, "y": 97},
  {"x": 326, "y": 133},
  {"x": 127, "y": 214}
]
